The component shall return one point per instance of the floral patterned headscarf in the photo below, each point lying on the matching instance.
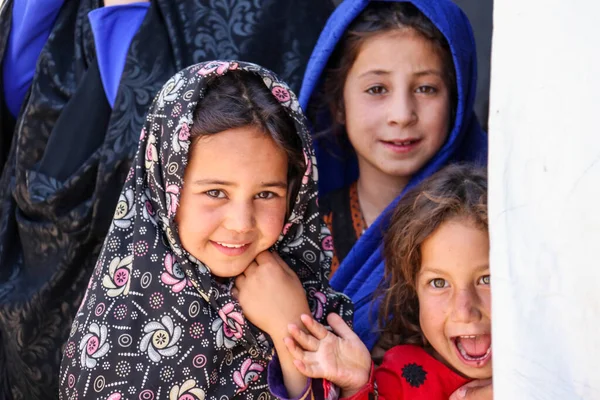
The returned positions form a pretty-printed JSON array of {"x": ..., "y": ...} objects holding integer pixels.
[{"x": 154, "y": 322}]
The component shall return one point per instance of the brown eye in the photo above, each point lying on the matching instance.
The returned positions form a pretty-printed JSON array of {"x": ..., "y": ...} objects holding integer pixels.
[
  {"x": 438, "y": 283},
  {"x": 215, "y": 194},
  {"x": 426, "y": 89},
  {"x": 265, "y": 195},
  {"x": 376, "y": 90}
]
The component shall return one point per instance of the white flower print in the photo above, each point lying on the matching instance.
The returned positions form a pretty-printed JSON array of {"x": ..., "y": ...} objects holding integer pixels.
[
  {"x": 151, "y": 156},
  {"x": 160, "y": 339},
  {"x": 118, "y": 279},
  {"x": 170, "y": 236},
  {"x": 187, "y": 391},
  {"x": 93, "y": 345},
  {"x": 298, "y": 238},
  {"x": 326, "y": 243},
  {"x": 172, "y": 194},
  {"x": 125, "y": 211},
  {"x": 181, "y": 135},
  {"x": 229, "y": 327},
  {"x": 171, "y": 89}
]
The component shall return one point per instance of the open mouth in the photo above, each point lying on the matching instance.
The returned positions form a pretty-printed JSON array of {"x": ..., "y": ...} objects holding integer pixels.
[{"x": 474, "y": 349}]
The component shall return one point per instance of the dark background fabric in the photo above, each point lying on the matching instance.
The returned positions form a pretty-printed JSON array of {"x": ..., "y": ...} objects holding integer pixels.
[{"x": 70, "y": 154}]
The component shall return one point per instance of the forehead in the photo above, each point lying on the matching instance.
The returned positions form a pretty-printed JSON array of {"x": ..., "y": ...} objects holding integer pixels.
[
  {"x": 398, "y": 50},
  {"x": 457, "y": 246},
  {"x": 236, "y": 153}
]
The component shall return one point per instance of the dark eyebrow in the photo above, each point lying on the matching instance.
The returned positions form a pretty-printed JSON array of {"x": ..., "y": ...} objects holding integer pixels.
[
  {"x": 212, "y": 182},
  {"x": 479, "y": 268},
  {"x": 374, "y": 72},
  {"x": 429, "y": 72},
  {"x": 276, "y": 184},
  {"x": 380, "y": 72}
]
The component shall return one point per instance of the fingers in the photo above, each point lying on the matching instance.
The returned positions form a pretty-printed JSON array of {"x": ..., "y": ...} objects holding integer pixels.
[
  {"x": 295, "y": 350},
  {"x": 475, "y": 390},
  {"x": 250, "y": 268},
  {"x": 313, "y": 327},
  {"x": 307, "y": 342},
  {"x": 304, "y": 364},
  {"x": 264, "y": 257},
  {"x": 340, "y": 327},
  {"x": 270, "y": 257}
]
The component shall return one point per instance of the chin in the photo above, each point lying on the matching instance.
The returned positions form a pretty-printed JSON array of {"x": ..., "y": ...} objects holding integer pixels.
[{"x": 476, "y": 373}]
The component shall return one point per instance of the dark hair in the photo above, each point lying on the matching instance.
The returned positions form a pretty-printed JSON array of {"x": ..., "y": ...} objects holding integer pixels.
[
  {"x": 377, "y": 18},
  {"x": 239, "y": 99},
  {"x": 455, "y": 192}
]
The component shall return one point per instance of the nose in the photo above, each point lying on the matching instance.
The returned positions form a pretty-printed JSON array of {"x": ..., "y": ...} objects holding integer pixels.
[
  {"x": 466, "y": 306},
  {"x": 240, "y": 217},
  {"x": 402, "y": 109}
]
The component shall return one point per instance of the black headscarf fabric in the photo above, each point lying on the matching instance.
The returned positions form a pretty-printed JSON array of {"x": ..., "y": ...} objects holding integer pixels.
[
  {"x": 154, "y": 320},
  {"x": 70, "y": 154}
]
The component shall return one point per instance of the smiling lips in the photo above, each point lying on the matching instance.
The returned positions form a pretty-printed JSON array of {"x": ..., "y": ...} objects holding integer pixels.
[
  {"x": 474, "y": 350},
  {"x": 231, "y": 249},
  {"x": 401, "y": 146}
]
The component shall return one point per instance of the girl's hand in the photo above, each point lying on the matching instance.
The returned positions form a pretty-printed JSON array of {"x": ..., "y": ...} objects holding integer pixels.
[
  {"x": 340, "y": 358},
  {"x": 475, "y": 390},
  {"x": 271, "y": 295}
]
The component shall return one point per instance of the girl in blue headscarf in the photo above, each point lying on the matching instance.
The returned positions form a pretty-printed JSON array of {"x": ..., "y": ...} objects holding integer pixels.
[{"x": 389, "y": 89}]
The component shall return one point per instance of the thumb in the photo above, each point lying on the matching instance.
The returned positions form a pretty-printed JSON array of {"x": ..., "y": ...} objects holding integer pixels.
[{"x": 475, "y": 390}]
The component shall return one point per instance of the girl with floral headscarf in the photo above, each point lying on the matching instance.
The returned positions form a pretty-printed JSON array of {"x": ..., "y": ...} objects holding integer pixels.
[{"x": 223, "y": 186}]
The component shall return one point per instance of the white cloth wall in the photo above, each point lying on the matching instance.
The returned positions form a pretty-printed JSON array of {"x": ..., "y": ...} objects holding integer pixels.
[{"x": 545, "y": 199}]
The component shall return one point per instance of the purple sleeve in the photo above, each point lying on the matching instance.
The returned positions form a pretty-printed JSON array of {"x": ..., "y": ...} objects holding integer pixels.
[
  {"x": 32, "y": 22},
  {"x": 313, "y": 389},
  {"x": 114, "y": 28}
]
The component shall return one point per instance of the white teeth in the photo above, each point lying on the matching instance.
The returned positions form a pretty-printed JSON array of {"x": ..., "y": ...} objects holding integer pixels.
[
  {"x": 406, "y": 143},
  {"x": 231, "y": 246}
]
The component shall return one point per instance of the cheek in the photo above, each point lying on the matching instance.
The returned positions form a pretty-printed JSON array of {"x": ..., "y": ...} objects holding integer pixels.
[
  {"x": 431, "y": 315},
  {"x": 195, "y": 223},
  {"x": 486, "y": 302},
  {"x": 436, "y": 119},
  {"x": 270, "y": 220}
]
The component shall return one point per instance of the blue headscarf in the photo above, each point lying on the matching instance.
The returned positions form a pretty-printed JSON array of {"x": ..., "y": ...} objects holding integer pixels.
[{"x": 362, "y": 270}]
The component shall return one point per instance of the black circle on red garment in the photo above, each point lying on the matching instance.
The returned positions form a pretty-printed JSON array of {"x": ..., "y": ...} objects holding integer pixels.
[{"x": 414, "y": 374}]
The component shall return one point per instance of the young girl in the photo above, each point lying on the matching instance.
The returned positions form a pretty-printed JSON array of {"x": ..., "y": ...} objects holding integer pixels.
[
  {"x": 390, "y": 90},
  {"x": 436, "y": 314},
  {"x": 223, "y": 168}
]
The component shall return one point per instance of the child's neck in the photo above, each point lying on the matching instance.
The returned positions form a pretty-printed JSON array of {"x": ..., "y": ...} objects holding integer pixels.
[{"x": 376, "y": 190}]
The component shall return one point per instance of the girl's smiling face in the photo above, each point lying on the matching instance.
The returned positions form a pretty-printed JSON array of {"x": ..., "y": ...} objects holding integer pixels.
[
  {"x": 234, "y": 198},
  {"x": 453, "y": 288},
  {"x": 396, "y": 103}
]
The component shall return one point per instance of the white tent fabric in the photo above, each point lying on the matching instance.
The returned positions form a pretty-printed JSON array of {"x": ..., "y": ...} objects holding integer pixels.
[{"x": 545, "y": 199}]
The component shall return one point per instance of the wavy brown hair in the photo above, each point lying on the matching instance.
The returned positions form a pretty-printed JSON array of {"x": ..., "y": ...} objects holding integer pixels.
[{"x": 455, "y": 192}]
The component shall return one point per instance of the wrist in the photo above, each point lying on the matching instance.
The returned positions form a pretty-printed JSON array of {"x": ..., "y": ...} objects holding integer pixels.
[{"x": 367, "y": 384}]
